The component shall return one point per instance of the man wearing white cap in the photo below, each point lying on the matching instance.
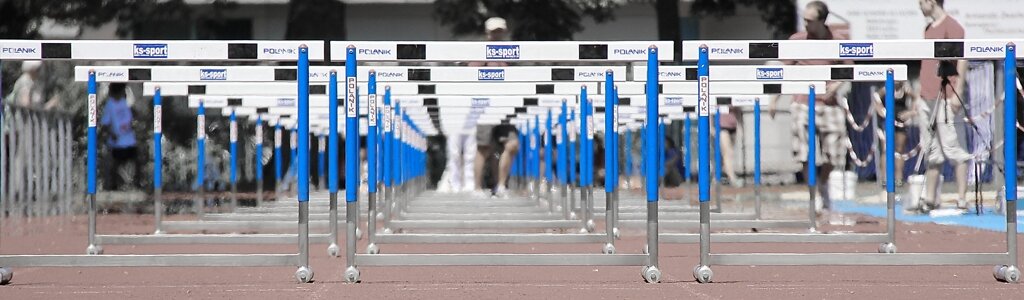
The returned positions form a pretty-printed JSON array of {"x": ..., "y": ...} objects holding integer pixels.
[
  {"x": 459, "y": 174},
  {"x": 497, "y": 29}
]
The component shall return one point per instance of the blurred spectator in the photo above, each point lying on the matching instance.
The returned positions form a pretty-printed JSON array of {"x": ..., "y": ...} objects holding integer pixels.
[
  {"x": 829, "y": 116},
  {"x": 729, "y": 124},
  {"x": 673, "y": 164},
  {"x": 117, "y": 121},
  {"x": 458, "y": 176},
  {"x": 26, "y": 92},
  {"x": 905, "y": 112},
  {"x": 939, "y": 102}
]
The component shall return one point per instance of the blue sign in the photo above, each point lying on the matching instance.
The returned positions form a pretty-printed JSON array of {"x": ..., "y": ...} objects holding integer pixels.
[
  {"x": 856, "y": 50},
  {"x": 150, "y": 51},
  {"x": 213, "y": 74},
  {"x": 490, "y": 74},
  {"x": 769, "y": 73},
  {"x": 502, "y": 52}
]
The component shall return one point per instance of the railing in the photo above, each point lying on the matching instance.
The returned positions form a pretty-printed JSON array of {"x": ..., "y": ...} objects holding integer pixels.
[{"x": 36, "y": 160}]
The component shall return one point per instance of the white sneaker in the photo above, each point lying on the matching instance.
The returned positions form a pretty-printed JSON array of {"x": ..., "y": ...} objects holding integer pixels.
[
  {"x": 480, "y": 194},
  {"x": 962, "y": 204},
  {"x": 444, "y": 187},
  {"x": 501, "y": 192}
]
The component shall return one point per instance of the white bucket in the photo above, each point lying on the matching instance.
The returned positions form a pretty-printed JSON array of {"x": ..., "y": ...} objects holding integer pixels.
[
  {"x": 915, "y": 191},
  {"x": 842, "y": 188}
]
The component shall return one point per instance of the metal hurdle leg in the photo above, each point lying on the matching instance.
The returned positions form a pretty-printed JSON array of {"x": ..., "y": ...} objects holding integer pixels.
[
  {"x": 812, "y": 216},
  {"x": 93, "y": 249},
  {"x": 609, "y": 223},
  {"x": 304, "y": 274},
  {"x": 234, "y": 196},
  {"x": 332, "y": 165},
  {"x": 200, "y": 204},
  {"x": 572, "y": 201},
  {"x": 158, "y": 210},
  {"x": 351, "y": 165},
  {"x": 584, "y": 213},
  {"x": 812, "y": 166},
  {"x": 702, "y": 273},
  {"x": 548, "y": 198},
  {"x": 371, "y": 161},
  {"x": 333, "y": 249},
  {"x": 650, "y": 272},
  {"x": 389, "y": 197},
  {"x": 611, "y": 161},
  {"x": 259, "y": 191},
  {"x": 615, "y": 214},
  {"x": 233, "y": 147},
  {"x": 1009, "y": 272},
  {"x": 158, "y": 200},
  {"x": 590, "y": 209},
  {"x": 563, "y": 190}
]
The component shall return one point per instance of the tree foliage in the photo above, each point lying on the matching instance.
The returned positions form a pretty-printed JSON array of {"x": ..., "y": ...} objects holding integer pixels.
[
  {"x": 779, "y": 14},
  {"x": 528, "y": 20},
  {"x": 316, "y": 19},
  {"x": 21, "y": 19}
]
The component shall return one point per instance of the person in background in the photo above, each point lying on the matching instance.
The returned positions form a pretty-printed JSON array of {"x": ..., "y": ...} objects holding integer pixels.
[
  {"x": 117, "y": 121},
  {"x": 904, "y": 95},
  {"x": 729, "y": 124},
  {"x": 938, "y": 105},
  {"x": 829, "y": 116},
  {"x": 26, "y": 92},
  {"x": 673, "y": 164},
  {"x": 458, "y": 177}
]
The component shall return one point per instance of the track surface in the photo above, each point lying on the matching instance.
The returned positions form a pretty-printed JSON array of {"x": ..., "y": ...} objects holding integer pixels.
[{"x": 66, "y": 235}]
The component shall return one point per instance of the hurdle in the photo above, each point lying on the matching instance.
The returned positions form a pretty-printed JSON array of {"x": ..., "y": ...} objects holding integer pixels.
[
  {"x": 561, "y": 73},
  {"x": 470, "y": 51},
  {"x": 704, "y": 51},
  {"x": 745, "y": 93},
  {"x": 495, "y": 106},
  {"x": 504, "y": 238},
  {"x": 152, "y": 77},
  {"x": 439, "y": 214},
  {"x": 248, "y": 219},
  {"x": 155, "y": 51},
  {"x": 856, "y": 73}
]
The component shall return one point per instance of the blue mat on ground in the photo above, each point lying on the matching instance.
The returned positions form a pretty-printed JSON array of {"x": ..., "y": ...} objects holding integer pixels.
[{"x": 988, "y": 220}]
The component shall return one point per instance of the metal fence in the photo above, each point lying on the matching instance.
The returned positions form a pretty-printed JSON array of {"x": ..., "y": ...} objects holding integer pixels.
[{"x": 36, "y": 159}]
